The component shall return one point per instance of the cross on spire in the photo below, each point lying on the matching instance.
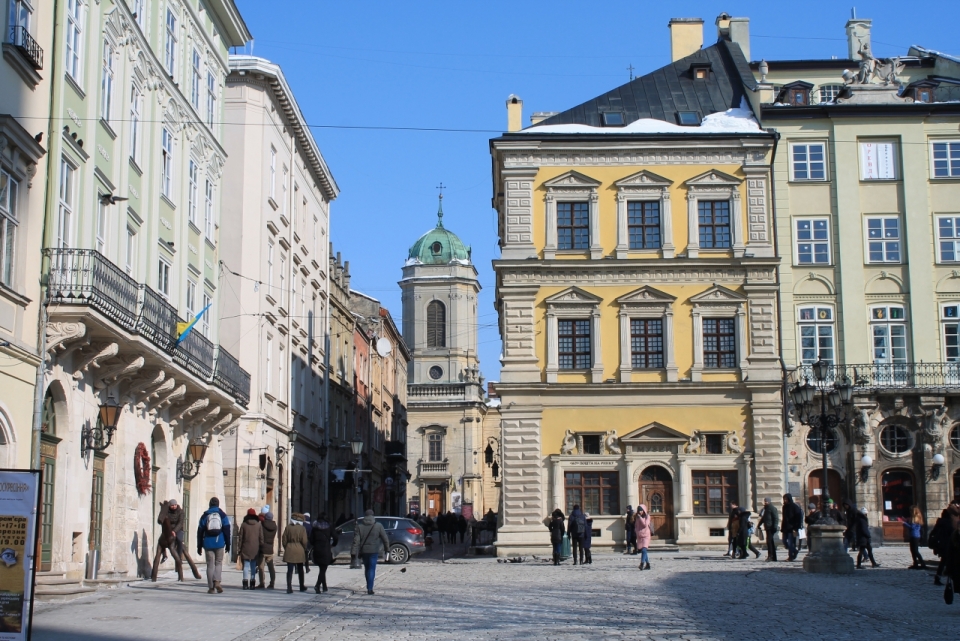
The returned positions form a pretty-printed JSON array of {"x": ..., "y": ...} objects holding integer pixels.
[
  {"x": 441, "y": 187},
  {"x": 630, "y": 69}
]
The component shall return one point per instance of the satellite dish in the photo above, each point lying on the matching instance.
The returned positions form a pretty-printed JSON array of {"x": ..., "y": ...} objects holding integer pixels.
[{"x": 384, "y": 347}]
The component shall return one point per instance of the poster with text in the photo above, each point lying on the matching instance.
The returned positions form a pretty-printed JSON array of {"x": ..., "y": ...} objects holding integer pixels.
[
  {"x": 878, "y": 161},
  {"x": 18, "y": 523}
]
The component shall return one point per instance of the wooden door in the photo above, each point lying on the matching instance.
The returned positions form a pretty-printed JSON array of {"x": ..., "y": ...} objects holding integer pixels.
[
  {"x": 815, "y": 487},
  {"x": 48, "y": 455},
  {"x": 434, "y": 501},
  {"x": 656, "y": 492}
]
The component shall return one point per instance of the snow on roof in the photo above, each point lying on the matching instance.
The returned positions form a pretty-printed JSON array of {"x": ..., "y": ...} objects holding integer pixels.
[
  {"x": 731, "y": 121},
  {"x": 934, "y": 52}
]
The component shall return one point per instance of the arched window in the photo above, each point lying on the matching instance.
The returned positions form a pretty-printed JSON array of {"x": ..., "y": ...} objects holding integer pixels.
[{"x": 436, "y": 324}]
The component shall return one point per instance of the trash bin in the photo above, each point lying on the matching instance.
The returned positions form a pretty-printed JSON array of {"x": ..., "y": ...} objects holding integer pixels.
[
  {"x": 565, "y": 552},
  {"x": 93, "y": 565}
]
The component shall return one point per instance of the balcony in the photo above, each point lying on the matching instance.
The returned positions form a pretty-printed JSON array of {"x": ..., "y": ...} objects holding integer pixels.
[
  {"x": 84, "y": 277},
  {"x": 444, "y": 393},
  {"x": 24, "y": 42},
  {"x": 433, "y": 469},
  {"x": 878, "y": 377}
]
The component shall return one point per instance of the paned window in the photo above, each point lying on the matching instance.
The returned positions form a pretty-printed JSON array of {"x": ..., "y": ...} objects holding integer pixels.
[
  {"x": 192, "y": 192},
  {"x": 9, "y": 195},
  {"x": 130, "y": 253},
  {"x": 719, "y": 343},
  {"x": 816, "y": 441},
  {"x": 208, "y": 210},
  {"x": 878, "y": 160},
  {"x": 714, "y": 222},
  {"x": 170, "y": 43},
  {"x": 74, "y": 48},
  {"x": 268, "y": 365},
  {"x": 211, "y": 98},
  {"x": 829, "y": 93},
  {"x": 166, "y": 163},
  {"x": 136, "y": 107},
  {"x": 816, "y": 327},
  {"x": 436, "y": 324},
  {"x": 574, "y": 344},
  {"x": 643, "y": 224},
  {"x": 573, "y": 225},
  {"x": 205, "y": 319},
  {"x": 66, "y": 205},
  {"x": 714, "y": 492},
  {"x": 948, "y": 238},
  {"x": 101, "y": 225},
  {"x": 946, "y": 159},
  {"x": 813, "y": 241},
  {"x": 106, "y": 81},
  {"x": 595, "y": 492},
  {"x": 191, "y": 300},
  {"x": 888, "y": 328},
  {"x": 883, "y": 239},
  {"x": 138, "y": 7},
  {"x": 273, "y": 172},
  {"x": 950, "y": 321},
  {"x": 435, "y": 453},
  {"x": 283, "y": 280},
  {"x": 809, "y": 161},
  {"x": 646, "y": 343},
  {"x": 163, "y": 278},
  {"x": 895, "y": 439},
  {"x": 196, "y": 80},
  {"x": 20, "y": 13},
  {"x": 270, "y": 268}
]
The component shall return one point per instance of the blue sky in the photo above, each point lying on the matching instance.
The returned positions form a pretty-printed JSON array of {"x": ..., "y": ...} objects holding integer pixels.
[{"x": 430, "y": 64}]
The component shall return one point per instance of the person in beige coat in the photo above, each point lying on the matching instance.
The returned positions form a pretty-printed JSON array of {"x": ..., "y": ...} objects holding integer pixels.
[
  {"x": 251, "y": 538},
  {"x": 295, "y": 550}
]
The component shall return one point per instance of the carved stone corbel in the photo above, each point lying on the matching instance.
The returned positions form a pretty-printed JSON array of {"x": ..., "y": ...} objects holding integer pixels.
[
  {"x": 122, "y": 371},
  {"x": 59, "y": 335},
  {"x": 221, "y": 424},
  {"x": 145, "y": 381},
  {"x": 101, "y": 352},
  {"x": 163, "y": 389},
  {"x": 175, "y": 395},
  {"x": 209, "y": 416},
  {"x": 195, "y": 406}
]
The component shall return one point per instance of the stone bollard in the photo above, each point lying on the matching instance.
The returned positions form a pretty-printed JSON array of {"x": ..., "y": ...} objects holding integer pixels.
[{"x": 828, "y": 554}]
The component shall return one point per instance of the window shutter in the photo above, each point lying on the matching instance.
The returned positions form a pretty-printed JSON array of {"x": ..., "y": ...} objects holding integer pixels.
[{"x": 436, "y": 324}]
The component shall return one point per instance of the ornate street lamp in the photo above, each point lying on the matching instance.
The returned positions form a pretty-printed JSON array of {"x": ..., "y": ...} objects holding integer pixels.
[
  {"x": 187, "y": 470},
  {"x": 492, "y": 457},
  {"x": 99, "y": 437},
  {"x": 357, "y": 448}
]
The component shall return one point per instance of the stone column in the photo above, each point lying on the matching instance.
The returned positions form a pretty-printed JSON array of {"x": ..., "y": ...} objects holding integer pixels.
[
  {"x": 693, "y": 227},
  {"x": 524, "y": 500},
  {"x": 666, "y": 225},
  {"x": 596, "y": 250},
  {"x": 623, "y": 235}
]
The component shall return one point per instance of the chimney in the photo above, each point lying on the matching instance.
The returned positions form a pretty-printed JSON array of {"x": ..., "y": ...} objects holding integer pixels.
[
  {"x": 514, "y": 113},
  {"x": 734, "y": 30},
  {"x": 858, "y": 35},
  {"x": 686, "y": 37},
  {"x": 540, "y": 116}
]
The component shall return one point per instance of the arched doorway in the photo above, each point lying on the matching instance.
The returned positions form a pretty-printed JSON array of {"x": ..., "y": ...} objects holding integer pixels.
[
  {"x": 897, "y": 493},
  {"x": 656, "y": 492},
  {"x": 815, "y": 487},
  {"x": 54, "y": 403}
]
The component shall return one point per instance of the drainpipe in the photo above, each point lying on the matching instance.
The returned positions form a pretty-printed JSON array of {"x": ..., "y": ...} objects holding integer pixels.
[{"x": 326, "y": 394}]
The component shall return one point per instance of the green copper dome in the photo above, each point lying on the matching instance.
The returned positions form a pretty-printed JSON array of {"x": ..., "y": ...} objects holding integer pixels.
[{"x": 438, "y": 246}]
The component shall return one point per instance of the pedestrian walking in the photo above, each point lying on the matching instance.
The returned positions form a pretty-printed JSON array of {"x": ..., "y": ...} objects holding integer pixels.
[
  {"x": 939, "y": 540},
  {"x": 369, "y": 540},
  {"x": 213, "y": 537},
  {"x": 790, "y": 525},
  {"x": 850, "y": 519},
  {"x": 451, "y": 527},
  {"x": 951, "y": 547},
  {"x": 321, "y": 539},
  {"x": 745, "y": 535},
  {"x": 630, "y": 518},
  {"x": 575, "y": 527},
  {"x": 461, "y": 526},
  {"x": 770, "y": 522},
  {"x": 732, "y": 524},
  {"x": 308, "y": 526},
  {"x": 864, "y": 540},
  {"x": 175, "y": 519},
  {"x": 295, "y": 543},
  {"x": 588, "y": 537},
  {"x": 267, "y": 549},
  {"x": 734, "y": 532},
  {"x": 557, "y": 530},
  {"x": 642, "y": 527},
  {"x": 251, "y": 538},
  {"x": 915, "y": 531}
]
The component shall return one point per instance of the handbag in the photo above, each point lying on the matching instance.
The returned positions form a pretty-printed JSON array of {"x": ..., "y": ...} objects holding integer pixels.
[
  {"x": 948, "y": 592},
  {"x": 802, "y": 533}
]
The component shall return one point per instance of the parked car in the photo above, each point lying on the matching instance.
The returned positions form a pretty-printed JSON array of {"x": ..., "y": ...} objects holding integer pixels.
[{"x": 406, "y": 538}]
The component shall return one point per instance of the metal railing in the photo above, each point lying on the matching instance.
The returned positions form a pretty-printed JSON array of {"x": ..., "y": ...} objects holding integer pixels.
[
  {"x": 86, "y": 277},
  {"x": 880, "y": 376},
  {"x": 21, "y": 39}
]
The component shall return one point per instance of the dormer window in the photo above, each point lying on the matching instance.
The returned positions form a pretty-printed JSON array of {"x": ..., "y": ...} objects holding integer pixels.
[
  {"x": 796, "y": 94},
  {"x": 436, "y": 247},
  {"x": 688, "y": 118},
  {"x": 700, "y": 71},
  {"x": 924, "y": 94},
  {"x": 612, "y": 118},
  {"x": 922, "y": 90}
]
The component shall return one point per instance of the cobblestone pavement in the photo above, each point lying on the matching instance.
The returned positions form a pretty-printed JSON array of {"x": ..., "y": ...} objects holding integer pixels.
[{"x": 694, "y": 595}]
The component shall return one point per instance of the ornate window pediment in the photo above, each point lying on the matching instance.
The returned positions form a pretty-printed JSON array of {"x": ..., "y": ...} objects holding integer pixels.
[
  {"x": 643, "y": 182},
  {"x": 573, "y": 303},
  {"x": 644, "y": 186},
  {"x": 718, "y": 295},
  {"x": 571, "y": 182},
  {"x": 572, "y": 187},
  {"x": 714, "y": 186},
  {"x": 713, "y": 179},
  {"x": 655, "y": 437},
  {"x": 646, "y": 297},
  {"x": 718, "y": 302},
  {"x": 572, "y": 297},
  {"x": 646, "y": 303}
]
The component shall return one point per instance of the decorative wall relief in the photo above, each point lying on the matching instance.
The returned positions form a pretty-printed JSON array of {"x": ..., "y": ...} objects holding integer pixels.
[{"x": 569, "y": 445}]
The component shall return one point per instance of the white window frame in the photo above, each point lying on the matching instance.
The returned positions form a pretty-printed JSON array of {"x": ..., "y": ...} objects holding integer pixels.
[
  {"x": 718, "y": 302},
  {"x": 163, "y": 276},
  {"x": 166, "y": 163},
  {"x": 270, "y": 251},
  {"x": 190, "y": 297},
  {"x": 818, "y": 321},
  {"x": 646, "y": 303},
  {"x": 20, "y": 14},
  {"x": 284, "y": 204},
  {"x": 193, "y": 175},
  {"x": 9, "y": 223},
  {"x": 107, "y": 79},
  {"x": 208, "y": 222},
  {"x": 952, "y": 149},
  {"x": 644, "y": 186},
  {"x": 138, "y": 8},
  {"x": 889, "y": 323},
  {"x": 316, "y": 224},
  {"x": 196, "y": 80},
  {"x": 283, "y": 280},
  {"x": 171, "y": 25},
  {"x": 67, "y": 203},
  {"x": 136, "y": 123},
  {"x": 953, "y": 240},
  {"x": 211, "y": 98},
  {"x": 273, "y": 172},
  {"x": 205, "y": 319},
  {"x": 73, "y": 51},
  {"x": 950, "y": 318},
  {"x": 807, "y": 162},
  {"x": 572, "y": 187},
  {"x": 813, "y": 242},
  {"x": 877, "y": 162},
  {"x": 573, "y": 304},
  {"x": 130, "y": 251},
  {"x": 268, "y": 366},
  {"x": 101, "y": 231},
  {"x": 833, "y": 89},
  {"x": 884, "y": 241},
  {"x": 714, "y": 185}
]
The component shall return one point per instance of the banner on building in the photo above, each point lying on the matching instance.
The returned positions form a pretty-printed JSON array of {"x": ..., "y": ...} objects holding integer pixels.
[{"x": 19, "y": 506}]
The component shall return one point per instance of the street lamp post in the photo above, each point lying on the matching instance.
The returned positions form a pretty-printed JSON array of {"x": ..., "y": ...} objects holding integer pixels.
[{"x": 357, "y": 448}]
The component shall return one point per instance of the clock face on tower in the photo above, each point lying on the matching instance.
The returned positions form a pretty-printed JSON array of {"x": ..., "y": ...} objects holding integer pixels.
[{"x": 436, "y": 372}]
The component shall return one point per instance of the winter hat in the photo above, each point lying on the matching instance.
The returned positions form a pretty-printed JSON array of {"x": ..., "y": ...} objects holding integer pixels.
[
  {"x": 863, "y": 510},
  {"x": 269, "y": 516},
  {"x": 306, "y": 516},
  {"x": 251, "y": 512},
  {"x": 265, "y": 509},
  {"x": 214, "y": 502},
  {"x": 812, "y": 506},
  {"x": 172, "y": 503},
  {"x": 368, "y": 513}
]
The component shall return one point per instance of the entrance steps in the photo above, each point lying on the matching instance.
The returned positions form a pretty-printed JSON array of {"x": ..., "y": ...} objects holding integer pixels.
[{"x": 59, "y": 586}]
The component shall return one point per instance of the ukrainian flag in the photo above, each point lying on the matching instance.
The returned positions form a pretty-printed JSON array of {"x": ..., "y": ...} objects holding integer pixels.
[{"x": 184, "y": 328}]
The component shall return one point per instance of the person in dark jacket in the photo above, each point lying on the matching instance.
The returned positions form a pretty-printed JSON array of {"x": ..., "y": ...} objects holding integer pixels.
[
  {"x": 320, "y": 541},
  {"x": 732, "y": 525},
  {"x": 744, "y": 537},
  {"x": 267, "y": 549},
  {"x": 557, "y": 530},
  {"x": 575, "y": 527},
  {"x": 461, "y": 526},
  {"x": 770, "y": 522},
  {"x": 850, "y": 520},
  {"x": 295, "y": 544},
  {"x": 631, "y": 533},
  {"x": 588, "y": 538},
  {"x": 369, "y": 540},
  {"x": 864, "y": 540},
  {"x": 951, "y": 543},
  {"x": 340, "y": 520},
  {"x": 834, "y": 513},
  {"x": 250, "y": 540},
  {"x": 215, "y": 541},
  {"x": 790, "y": 525},
  {"x": 938, "y": 540}
]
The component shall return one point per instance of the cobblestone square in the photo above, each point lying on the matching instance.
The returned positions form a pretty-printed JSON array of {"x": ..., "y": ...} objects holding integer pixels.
[{"x": 694, "y": 595}]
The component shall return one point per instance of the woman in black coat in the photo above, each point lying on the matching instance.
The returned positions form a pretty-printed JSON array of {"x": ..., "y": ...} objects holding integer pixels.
[
  {"x": 864, "y": 540},
  {"x": 744, "y": 540},
  {"x": 322, "y": 555},
  {"x": 557, "y": 530}
]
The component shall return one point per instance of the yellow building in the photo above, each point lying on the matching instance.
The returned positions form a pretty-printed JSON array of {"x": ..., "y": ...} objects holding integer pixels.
[{"x": 637, "y": 297}]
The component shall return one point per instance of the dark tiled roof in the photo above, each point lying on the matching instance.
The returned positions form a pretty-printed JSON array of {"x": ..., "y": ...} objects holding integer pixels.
[{"x": 670, "y": 89}]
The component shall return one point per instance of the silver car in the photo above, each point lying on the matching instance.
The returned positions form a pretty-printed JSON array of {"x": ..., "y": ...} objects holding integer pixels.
[{"x": 406, "y": 538}]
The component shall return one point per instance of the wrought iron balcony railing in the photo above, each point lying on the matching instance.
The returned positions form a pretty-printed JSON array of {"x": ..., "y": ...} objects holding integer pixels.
[
  {"x": 881, "y": 376},
  {"x": 22, "y": 40},
  {"x": 86, "y": 277}
]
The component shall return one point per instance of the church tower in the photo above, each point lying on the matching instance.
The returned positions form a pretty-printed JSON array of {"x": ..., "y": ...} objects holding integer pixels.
[{"x": 446, "y": 403}]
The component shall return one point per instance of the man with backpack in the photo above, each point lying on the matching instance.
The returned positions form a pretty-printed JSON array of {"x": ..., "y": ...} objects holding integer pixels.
[
  {"x": 576, "y": 526},
  {"x": 213, "y": 536}
]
